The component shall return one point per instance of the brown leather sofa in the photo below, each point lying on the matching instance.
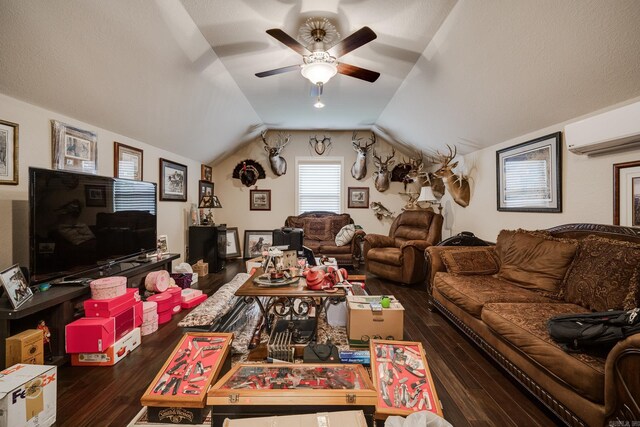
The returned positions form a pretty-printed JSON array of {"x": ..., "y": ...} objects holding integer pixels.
[
  {"x": 575, "y": 268},
  {"x": 320, "y": 230},
  {"x": 400, "y": 255}
]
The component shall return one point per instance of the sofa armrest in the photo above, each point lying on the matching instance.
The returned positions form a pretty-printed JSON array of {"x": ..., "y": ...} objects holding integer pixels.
[
  {"x": 358, "y": 238},
  {"x": 621, "y": 380},
  {"x": 420, "y": 245},
  {"x": 379, "y": 241}
]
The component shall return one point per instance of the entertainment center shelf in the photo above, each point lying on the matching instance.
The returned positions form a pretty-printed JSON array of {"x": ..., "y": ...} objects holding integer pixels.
[{"x": 57, "y": 306}]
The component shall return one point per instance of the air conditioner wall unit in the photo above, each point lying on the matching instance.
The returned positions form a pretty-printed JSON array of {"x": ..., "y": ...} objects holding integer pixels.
[{"x": 614, "y": 130}]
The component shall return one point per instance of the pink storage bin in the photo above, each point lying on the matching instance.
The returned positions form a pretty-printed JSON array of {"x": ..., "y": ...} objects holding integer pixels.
[
  {"x": 165, "y": 317},
  {"x": 189, "y": 294},
  {"x": 157, "y": 281},
  {"x": 108, "y": 287},
  {"x": 108, "y": 307},
  {"x": 164, "y": 301},
  {"x": 194, "y": 301},
  {"x": 90, "y": 335},
  {"x": 150, "y": 311}
]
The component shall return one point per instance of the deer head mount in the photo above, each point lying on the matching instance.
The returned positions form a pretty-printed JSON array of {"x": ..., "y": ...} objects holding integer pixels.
[
  {"x": 457, "y": 184},
  {"x": 277, "y": 162},
  {"x": 359, "y": 168},
  {"x": 320, "y": 146},
  {"x": 382, "y": 176}
]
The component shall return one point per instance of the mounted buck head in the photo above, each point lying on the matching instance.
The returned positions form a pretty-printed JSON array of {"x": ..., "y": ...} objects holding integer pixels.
[
  {"x": 320, "y": 146},
  {"x": 458, "y": 185},
  {"x": 277, "y": 162},
  {"x": 382, "y": 176},
  {"x": 359, "y": 168}
]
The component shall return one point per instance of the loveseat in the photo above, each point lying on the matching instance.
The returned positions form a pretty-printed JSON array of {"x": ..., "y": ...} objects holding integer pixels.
[
  {"x": 320, "y": 230},
  {"x": 502, "y": 296}
]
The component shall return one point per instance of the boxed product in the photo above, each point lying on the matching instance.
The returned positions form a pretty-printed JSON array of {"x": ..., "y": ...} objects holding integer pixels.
[
  {"x": 90, "y": 335},
  {"x": 28, "y": 396},
  {"x": 25, "y": 347},
  {"x": 109, "y": 307},
  {"x": 118, "y": 351},
  {"x": 367, "y": 320},
  {"x": 342, "y": 418},
  {"x": 202, "y": 268},
  {"x": 253, "y": 263},
  {"x": 362, "y": 357}
]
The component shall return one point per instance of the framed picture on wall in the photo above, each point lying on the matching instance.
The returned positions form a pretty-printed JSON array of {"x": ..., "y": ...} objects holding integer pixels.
[
  {"x": 358, "y": 197},
  {"x": 626, "y": 194},
  {"x": 205, "y": 194},
  {"x": 206, "y": 173},
  {"x": 255, "y": 241},
  {"x": 173, "y": 181},
  {"x": 95, "y": 196},
  {"x": 8, "y": 153},
  {"x": 260, "y": 200},
  {"x": 529, "y": 176},
  {"x": 233, "y": 242},
  {"x": 74, "y": 149},
  {"x": 127, "y": 161},
  {"x": 15, "y": 286}
]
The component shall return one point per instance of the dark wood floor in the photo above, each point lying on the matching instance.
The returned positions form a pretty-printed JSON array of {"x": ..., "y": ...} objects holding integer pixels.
[{"x": 472, "y": 390}]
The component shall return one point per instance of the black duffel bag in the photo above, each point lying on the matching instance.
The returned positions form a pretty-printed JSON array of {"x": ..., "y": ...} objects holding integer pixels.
[{"x": 593, "y": 332}]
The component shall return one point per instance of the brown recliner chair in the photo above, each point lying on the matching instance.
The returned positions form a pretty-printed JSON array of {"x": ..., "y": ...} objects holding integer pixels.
[{"x": 400, "y": 256}]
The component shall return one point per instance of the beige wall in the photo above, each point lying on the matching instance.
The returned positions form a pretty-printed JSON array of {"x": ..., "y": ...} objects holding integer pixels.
[
  {"x": 587, "y": 187},
  {"x": 35, "y": 150},
  {"x": 235, "y": 197}
]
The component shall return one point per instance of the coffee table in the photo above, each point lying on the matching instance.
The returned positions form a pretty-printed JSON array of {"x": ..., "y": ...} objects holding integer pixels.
[{"x": 295, "y": 299}]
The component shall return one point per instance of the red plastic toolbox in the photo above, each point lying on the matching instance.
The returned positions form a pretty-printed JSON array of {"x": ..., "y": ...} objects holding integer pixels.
[
  {"x": 90, "y": 334},
  {"x": 109, "y": 307}
]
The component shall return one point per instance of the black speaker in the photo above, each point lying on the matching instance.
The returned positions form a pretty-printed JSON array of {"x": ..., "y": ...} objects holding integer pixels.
[
  {"x": 208, "y": 243},
  {"x": 291, "y": 237}
]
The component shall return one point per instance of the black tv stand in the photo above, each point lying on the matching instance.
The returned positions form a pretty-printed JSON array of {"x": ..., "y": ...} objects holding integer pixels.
[{"x": 58, "y": 306}]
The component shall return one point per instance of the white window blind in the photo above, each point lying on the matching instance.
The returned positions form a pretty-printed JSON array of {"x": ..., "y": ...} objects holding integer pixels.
[
  {"x": 319, "y": 184},
  {"x": 526, "y": 183},
  {"x": 131, "y": 196}
]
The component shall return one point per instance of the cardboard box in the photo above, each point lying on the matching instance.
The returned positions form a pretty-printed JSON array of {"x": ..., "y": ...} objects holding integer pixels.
[
  {"x": 110, "y": 307},
  {"x": 342, "y": 418},
  {"x": 28, "y": 396},
  {"x": 90, "y": 335},
  {"x": 118, "y": 351},
  {"x": 202, "y": 268},
  {"x": 25, "y": 347},
  {"x": 363, "y": 324},
  {"x": 253, "y": 263}
]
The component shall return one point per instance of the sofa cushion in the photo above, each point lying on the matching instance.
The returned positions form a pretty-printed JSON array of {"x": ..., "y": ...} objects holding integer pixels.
[
  {"x": 525, "y": 326},
  {"x": 317, "y": 229},
  {"x": 329, "y": 247},
  {"x": 337, "y": 222},
  {"x": 604, "y": 275},
  {"x": 471, "y": 293},
  {"x": 470, "y": 260},
  {"x": 533, "y": 260},
  {"x": 345, "y": 235},
  {"x": 390, "y": 256}
]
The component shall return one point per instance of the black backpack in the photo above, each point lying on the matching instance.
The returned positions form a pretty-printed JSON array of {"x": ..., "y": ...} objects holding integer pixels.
[{"x": 597, "y": 332}]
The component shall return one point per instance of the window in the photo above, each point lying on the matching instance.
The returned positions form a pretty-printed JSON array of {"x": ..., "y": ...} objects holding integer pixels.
[{"x": 318, "y": 185}]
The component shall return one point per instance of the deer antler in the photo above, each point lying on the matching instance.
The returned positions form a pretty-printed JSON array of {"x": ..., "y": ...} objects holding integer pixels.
[
  {"x": 263, "y": 134},
  {"x": 282, "y": 140}
]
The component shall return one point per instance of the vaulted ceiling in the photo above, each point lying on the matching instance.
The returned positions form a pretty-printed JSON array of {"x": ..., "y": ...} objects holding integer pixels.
[{"x": 181, "y": 74}]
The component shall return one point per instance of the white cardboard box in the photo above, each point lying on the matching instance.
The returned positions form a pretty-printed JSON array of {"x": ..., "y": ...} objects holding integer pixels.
[
  {"x": 342, "y": 419},
  {"x": 118, "y": 351},
  {"x": 28, "y": 396}
]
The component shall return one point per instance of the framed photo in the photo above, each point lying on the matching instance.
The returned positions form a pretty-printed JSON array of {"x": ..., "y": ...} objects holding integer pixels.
[
  {"x": 358, "y": 197},
  {"x": 233, "y": 242},
  {"x": 206, "y": 173},
  {"x": 95, "y": 196},
  {"x": 8, "y": 153},
  {"x": 173, "y": 181},
  {"x": 127, "y": 162},
  {"x": 529, "y": 176},
  {"x": 626, "y": 194},
  {"x": 162, "y": 244},
  {"x": 255, "y": 241},
  {"x": 205, "y": 194},
  {"x": 74, "y": 149},
  {"x": 260, "y": 200},
  {"x": 16, "y": 286}
]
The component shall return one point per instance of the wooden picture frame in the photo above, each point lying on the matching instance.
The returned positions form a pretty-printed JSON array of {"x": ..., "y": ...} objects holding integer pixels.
[
  {"x": 260, "y": 200},
  {"x": 15, "y": 286},
  {"x": 358, "y": 197},
  {"x": 255, "y": 240},
  {"x": 127, "y": 162},
  {"x": 536, "y": 161},
  {"x": 206, "y": 173},
  {"x": 9, "y": 166},
  {"x": 233, "y": 243},
  {"x": 626, "y": 194},
  {"x": 74, "y": 149},
  {"x": 173, "y": 181},
  {"x": 205, "y": 194}
]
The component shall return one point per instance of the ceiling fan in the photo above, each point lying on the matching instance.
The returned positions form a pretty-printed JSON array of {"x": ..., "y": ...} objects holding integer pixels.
[{"x": 320, "y": 53}]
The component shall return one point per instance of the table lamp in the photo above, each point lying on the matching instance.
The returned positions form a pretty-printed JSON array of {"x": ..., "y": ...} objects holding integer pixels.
[{"x": 426, "y": 195}]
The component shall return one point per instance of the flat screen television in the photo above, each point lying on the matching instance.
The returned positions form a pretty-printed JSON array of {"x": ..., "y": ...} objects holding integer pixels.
[{"x": 80, "y": 222}]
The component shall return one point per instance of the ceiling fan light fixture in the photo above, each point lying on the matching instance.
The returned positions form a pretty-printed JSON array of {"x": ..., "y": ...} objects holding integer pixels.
[{"x": 319, "y": 72}]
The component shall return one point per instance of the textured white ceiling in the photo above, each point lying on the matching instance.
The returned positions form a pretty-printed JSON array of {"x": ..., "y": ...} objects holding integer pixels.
[{"x": 180, "y": 74}]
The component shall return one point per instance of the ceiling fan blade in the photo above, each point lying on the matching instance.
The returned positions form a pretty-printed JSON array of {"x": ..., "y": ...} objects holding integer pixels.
[
  {"x": 358, "y": 73},
  {"x": 278, "y": 71},
  {"x": 287, "y": 40},
  {"x": 361, "y": 37}
]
